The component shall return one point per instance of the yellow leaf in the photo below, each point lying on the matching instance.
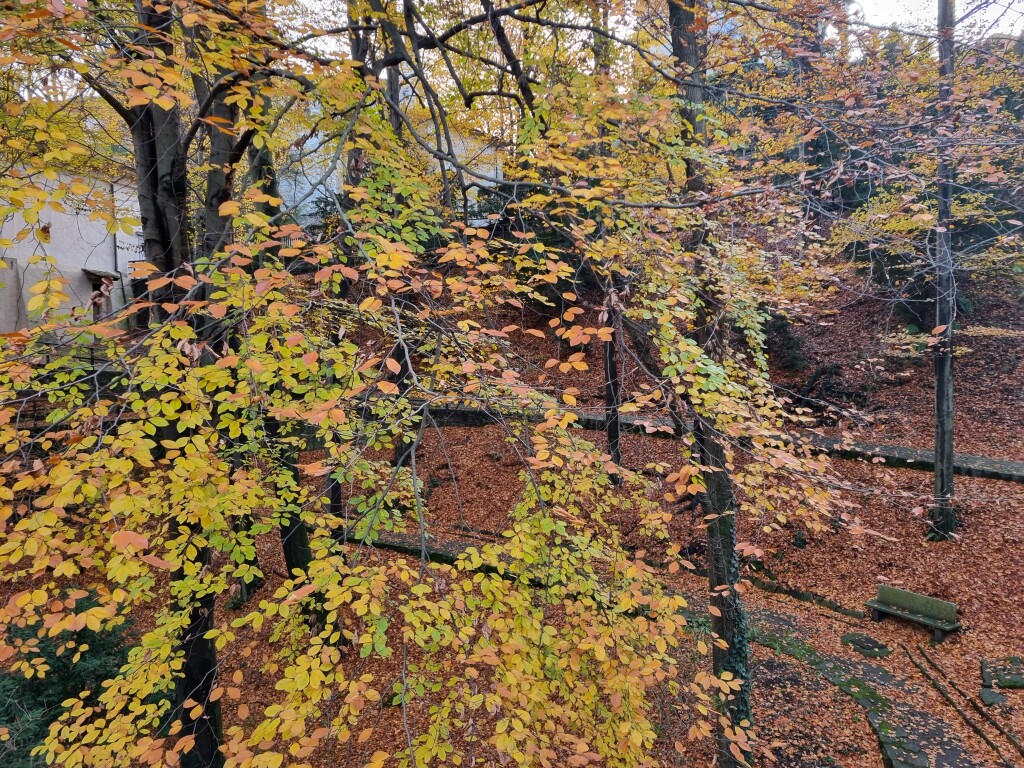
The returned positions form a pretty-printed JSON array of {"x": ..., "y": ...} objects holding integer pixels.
[{"x": 231, "y": 207}]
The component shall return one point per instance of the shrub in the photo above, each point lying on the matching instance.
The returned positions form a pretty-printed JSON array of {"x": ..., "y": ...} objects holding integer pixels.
[{"x": 29, "y": 705}]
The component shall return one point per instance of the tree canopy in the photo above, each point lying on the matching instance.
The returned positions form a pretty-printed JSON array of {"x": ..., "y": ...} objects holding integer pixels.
[{"x": 357, "y": 224}]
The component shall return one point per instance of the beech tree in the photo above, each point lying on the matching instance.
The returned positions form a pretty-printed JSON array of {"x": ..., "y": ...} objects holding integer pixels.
[
  {"x": 906, "y": 167},
  {"x": 272, "y": 384},
  {"x": 944, "y": 515}
]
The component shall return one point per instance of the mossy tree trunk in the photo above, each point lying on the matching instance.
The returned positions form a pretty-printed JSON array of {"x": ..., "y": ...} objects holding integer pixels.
[
  {"x": 729, "y": 619},
  {"x": 943, "y": 516},
  {"x": 687, "y": 19},
  {"x": 612, "y": 387}
]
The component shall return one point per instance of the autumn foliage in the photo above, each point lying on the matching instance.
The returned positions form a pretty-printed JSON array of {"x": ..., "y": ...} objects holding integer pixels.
[{"x": 264, "y": 396}]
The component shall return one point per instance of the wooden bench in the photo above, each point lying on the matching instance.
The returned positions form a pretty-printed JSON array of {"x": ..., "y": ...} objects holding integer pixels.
[{"x": 937, "y": 614}]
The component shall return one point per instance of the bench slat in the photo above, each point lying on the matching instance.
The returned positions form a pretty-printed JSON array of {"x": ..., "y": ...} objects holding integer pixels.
[
  {"x": 928, "y": 621},
  {"x": 911, "y": 602}
]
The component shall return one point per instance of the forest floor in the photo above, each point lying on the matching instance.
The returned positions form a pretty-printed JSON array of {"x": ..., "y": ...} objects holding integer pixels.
[
  {"x": 883, "y": 394},
  {"x": 817, "y": 701},
  {"x": 982, "y": 569},
  {"x": 812, "y": 719}
]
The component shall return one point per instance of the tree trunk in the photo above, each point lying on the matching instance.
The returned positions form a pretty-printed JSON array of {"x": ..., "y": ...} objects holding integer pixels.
[
  {"x": 162, "y": 191},
  {"x": 612, "y": 306},
  {"x": 264, "y": 174},
  {"x": 719, "y": 501},
  {"x": 688, "y": 52},
  {"x": 394, "y": 91},
  {"x": 199, "y": 662},
  {"x": 294, "y": 534},
  {"x": 160, "y": 166},
  {"x": 943, "y": 515},
  {"x": 355, "y": 162},
  {"x": 193, "y": 688},
  {"x": 611, "y": 389},
  {"x": 161, "y": 182},
  {"x": 729, "y": 621},
  {"x": 160, "y": 173},
  {"x": 403, "y": 379},
  {"x": 223, "y": 141}
]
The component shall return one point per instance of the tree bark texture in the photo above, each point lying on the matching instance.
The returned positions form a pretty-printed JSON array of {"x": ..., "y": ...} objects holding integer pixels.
[
  {"x": 688, "y": 52},
  {"x": 687, "y": 20},
  {"x": 612, "y": 386},
  {"x": 943, "y": 516},
  {"x": 723, "y": 574},
  {"x": 196, "y": 684}
]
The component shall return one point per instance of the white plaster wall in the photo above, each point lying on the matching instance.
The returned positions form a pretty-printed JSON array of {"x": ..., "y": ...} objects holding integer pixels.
[
  {"x": 77, "y": 242},
  {"x": 310, "y": 173},
  {"x": 307, "y": 176},
  {"x": 480, "y": 156}
]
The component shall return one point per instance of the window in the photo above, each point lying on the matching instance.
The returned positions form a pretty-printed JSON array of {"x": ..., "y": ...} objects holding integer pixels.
[{"x": 101, "y": 300}]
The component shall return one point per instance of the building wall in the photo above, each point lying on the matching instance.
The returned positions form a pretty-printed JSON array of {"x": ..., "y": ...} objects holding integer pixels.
[
  {"x": 77, "y": 243},
  {"x": 306, "y": 177},
  {"x": 311, "y": 173}
]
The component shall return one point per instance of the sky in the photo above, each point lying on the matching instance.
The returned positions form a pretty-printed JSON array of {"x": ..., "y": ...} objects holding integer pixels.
[{"x": 1004, "y": 16}]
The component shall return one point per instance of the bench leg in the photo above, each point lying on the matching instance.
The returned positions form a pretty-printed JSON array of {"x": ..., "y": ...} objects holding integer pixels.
[
  {"x": 938, "y": 635},
  {"x": 876, "y": 615}
]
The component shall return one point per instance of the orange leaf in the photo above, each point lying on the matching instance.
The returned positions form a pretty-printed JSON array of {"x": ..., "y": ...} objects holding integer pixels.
[
  {"x": 157, "y": 283},
  {"x": 123, "y": 539},
  {"x": 158, "y": 562},
  {"x": 140, "y": 269},
  {"x": 299, "y": 594}
]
